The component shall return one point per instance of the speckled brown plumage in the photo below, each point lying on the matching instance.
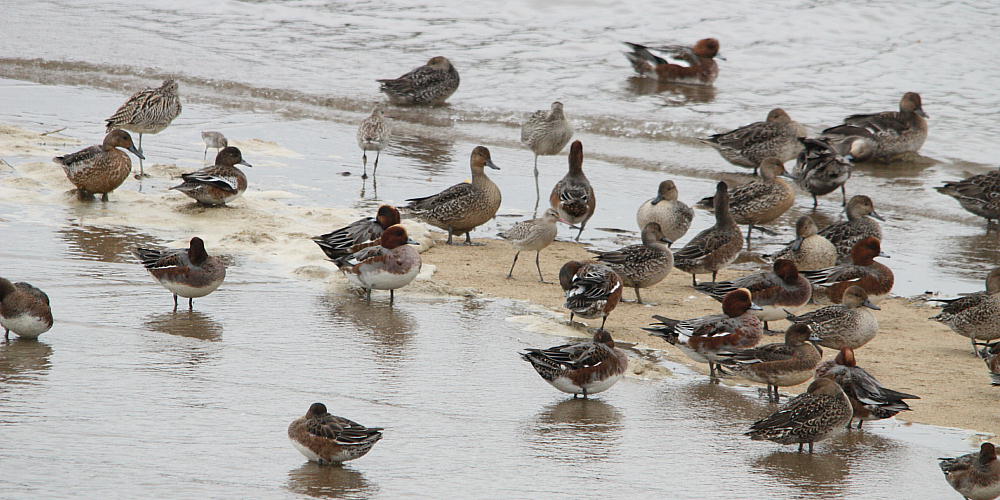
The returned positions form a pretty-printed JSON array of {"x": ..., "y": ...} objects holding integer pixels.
[{"x": 807, "y": 418}]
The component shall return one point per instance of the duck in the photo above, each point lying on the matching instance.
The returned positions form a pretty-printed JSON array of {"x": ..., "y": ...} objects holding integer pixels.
[
  {"x": 870, "y": 400},
  {"x": 213, "y": 140},
  {"x": 373, "y": 135},
  {"x": 643, "y": 265},
  {"x": 809, "y": 251},
  {"x": 391, "y": 264},
  {"x": 976, "y": 315},
  {"x": 701, "y": 67},
  {"x": 430, "y": 84},
  {"x": 591, "y": 289},
  {"x": 781, "y": 364},
  {"x": 777, "y": 291},
  {"x": 703, "y": 338},
  {"x": 979, "y": 194},
  {"x": 358, "y": 234},
  {"x": 24, "y": 310},
  {"x": 820, "y": 168},
  {"x": 810, "y": 417},
  {"x": 188, "y": 272},
  {"x": 858, "y": 226},
  {"x": 760, "y": 201},
  {"x": 848, "y": 324},
  {"x": 775, "y": 137},
  {"x": 328, "y": 439},
  {"x": 546, "y": 133},
  {"x": 573, "y": 197},
  {"x": 673, "y": 216},
  {"x": 219, "y": 184},
  {"x": 465, "y": 206},
  {"x": 148, "y": 111},
  {"x": 890, "y": 132},
  {"x": 874, "y": 277},
  {"x": 100, "y": 169},
  {"x": 976, "y": 476},
  {"x": 584, "y": 368},
  {"x": 991, "y": 355},
  {"x": 714, "y": 248},
  {"x": 533, "y": 234}
]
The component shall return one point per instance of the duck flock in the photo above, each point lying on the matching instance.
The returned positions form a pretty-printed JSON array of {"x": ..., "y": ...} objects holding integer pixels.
[{"x": 836, "y": 264}]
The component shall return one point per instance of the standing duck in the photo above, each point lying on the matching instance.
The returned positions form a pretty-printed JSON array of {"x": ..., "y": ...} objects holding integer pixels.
[
  {"x": 465, "y": 206},
  {"x": 373, "y": 134},
  {"x": 431, "y": 84},
  {"x": 547, "y": 133},
  {"x": 592, "y": 290},
  {"x": 714, "y": 248},
  {"x": 100, "y": 169},
  {"x": 345, "y": 241},
  {"x": 328, "y": 439},
  {"x": 848, "y": 324},
  {"x": 749, "y": 145},
  {"x": 214, "y": 140},
  {"x": 391, "y": 264},
  {"x": 673, "y": 216},
  {"x": 858, "y": 226},
  {"x": 976, "y": 476},
  {"x": 820, "y": 169},
  {"x": 870, "y": 400},
  {"x": 809, "y": 417},
  {"x": 585, "y": 368},
  {"x": 701, "y": 67},
  {"x": 890, "y": 132},
  {"x": 979, "y": 194},
  {"x": 776, "y": 292},
  {"x": 760, "y": 201},
  {"x": 644, "y": 265},
  {"x": 148, "y": 111},
  {"x": 24, "y": 310},
  {"x": 534, "y": 234},
  {"x": 219, "y": 184},
  {"x": 977, "y": 315},
  {"x": 874, "y": 277},
  {"x": 188, "y": 272},
  {"x": 809, "y": 251},
  {"x": 782, "y": 364},
  {"x": 573, "y": 196}
]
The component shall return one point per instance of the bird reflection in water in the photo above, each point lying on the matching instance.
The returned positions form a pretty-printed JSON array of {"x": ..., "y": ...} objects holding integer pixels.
[
  {"x": 329, "y": 481},
  {"x": 389, "y": 328},
  {"x": 23, "y": 361},
  {"x": 103, "y": 244},
  {"x": 190, "y": 324},
  {"x": 577, "y": 430},
  {"x": 429, "y": 155},
  {"x": 675, "y": 94}
]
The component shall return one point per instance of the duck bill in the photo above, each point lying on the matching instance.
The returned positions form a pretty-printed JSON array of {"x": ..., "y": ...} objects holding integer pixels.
[
  {"x": 668, "y": 241},
  {"x": 869, "y": 305},
  {"x": 656, "y": 200},
  {"x": 136, "y": 152},
  {"x": 920, "y": 112},
  {"x": 411, "y": 241},
  {"x": 883, "y": 254},
  {"x": 877, "y": 216},
  {"x": 797, "y": 244},
  {"x": 814, "y": 337},
  {"x": 720, "y": 56},
  {"x": 489, "y": 163},
  {"x": 755, "y": 307},
  {"x": 244, "y": 163}
]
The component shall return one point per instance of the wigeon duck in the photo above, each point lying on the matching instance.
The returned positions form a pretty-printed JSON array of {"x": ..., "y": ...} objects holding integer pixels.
[
  {"x": 890, "y": 132},
  {"x": 701, "y": 69},
  {"x": 782, "y": 364},
  {"x": 533, "y": 234},
  {"x": 465, "y": 206},
  {"x": 214, "y": 140},
  {"x": 874, "y": 277},
  {"x": 148, "y": 111},
  {"x": 809, "y": 417},
  {"x": 329, "y": 439},
  {"x": 762, "y": 200},
  {"x": 219, "y": 184},
  {"x": 585, "y": 368},
  {"x": 391, "y": 264},
  {"x": 432, "y": 83},
  {"x": 573, "y": 197},
  {"x": 702, "y": 339},
  {"x": 547, "y": 133},
  {"x": 100, "y": 169},
  {"x": 976, "y": 476},
  {"x": 373, "y": 135},
  {"x": 346, "y": 240},
  {"x": 748, "y": 146},
  {"x": 809, "y": 251},
  {"x": 24, "y": 310},
  {"x": 673, "y": 216},
  {"x": 821, "y": 169},
  {"x": 592, "y": 290},
  {"x": 858, "y": 226},
  {"x": 870, "y": 400},
  {"x": 188, "y": 272},
  {"x": 716, "y": 247},
  {"x": 991, "y": 355},
  {"x": 977, "y": 315},
  {"x": 777, "y": 291},
  {"x": 848, "y": 324},
  {"x": 979, "y": 194},
  {"x": 643, "y": 265}
]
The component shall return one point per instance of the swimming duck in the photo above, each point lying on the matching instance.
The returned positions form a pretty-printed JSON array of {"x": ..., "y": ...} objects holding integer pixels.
[
  {"x": 820, "y": 168},
  {"x": 858, "y": 226},
  {"x": 644, "y": 265},
  {"x": 592, "y": 290},
  {"x": 782, "y": 364},
  {"x": 328, "y": 439},
  {"x": 890, "y": 132},
  {"x": 534, "y": 234},
  {"x": 977, "y": 315},
  {"x": 188, "y": 272},
  {"x": 991, "y": 355},
  {"x": 391, "y": 264},
  {"x": 148, "y": 111},
  {"x": 716, "y": 247},
  {"x": 701, "y": 69},
  {"x": 809, "y": 251},
  {"x": 432, "y": 83},
  {"x": 462, "y": 207},
  {"x": 760, "y": 201},
  {"x": 24, "y": 310},
  {"x": 547, "y": 133},
  {"x": 573, "y": 197},
  {"x": 874, "y": 277},
  {"x": 748, "y": 146},
  {"x": 979, "y": 194},
  {"x": 219, "y": 184},
  {"x": 848, "y": 324},
  {"x": 870, "y": 400},
  {"x": 807, "y": 418},
  {"x": 585, "y": 368},
  {"x": 702, "y": 339},
  {"x": 778, "y": 291},
  {"x": 976, "y": 476},
  {"x": 673, "y": 216},
  {"x": 100, "y": 169},
  {"x": 346, "y": 240},
  {"x": 373, "y": 135},
  {"x": 215, "y": 140}
]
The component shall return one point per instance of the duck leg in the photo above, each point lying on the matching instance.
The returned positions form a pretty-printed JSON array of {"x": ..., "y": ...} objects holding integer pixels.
[
  {"x": 603, "y": 321},
  {"x": 816, "y": 201},
  {"x": 6, "y": 335},
  {"x": 749, "y": 228},
  {"x": 104, "y": 197},
  {"x": 468, "y": 241},
  {"x": 694, "y": 280},
  {"x": 638, "y": 298},
  {"x": 392, "y": 293},
  {"x": 449, "y": 242},
  {"x": 368, "y": 295},
  {"x": 538, "y": 266},
  {"x": 204, "y": 157},
  {"x": 538, "y": 193},
  {"x": 510, "y": 274},
  {"x": 843, "y": 196},
  {"x": 190, "y": 303},
  {"x": 175, "y": 302}
]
